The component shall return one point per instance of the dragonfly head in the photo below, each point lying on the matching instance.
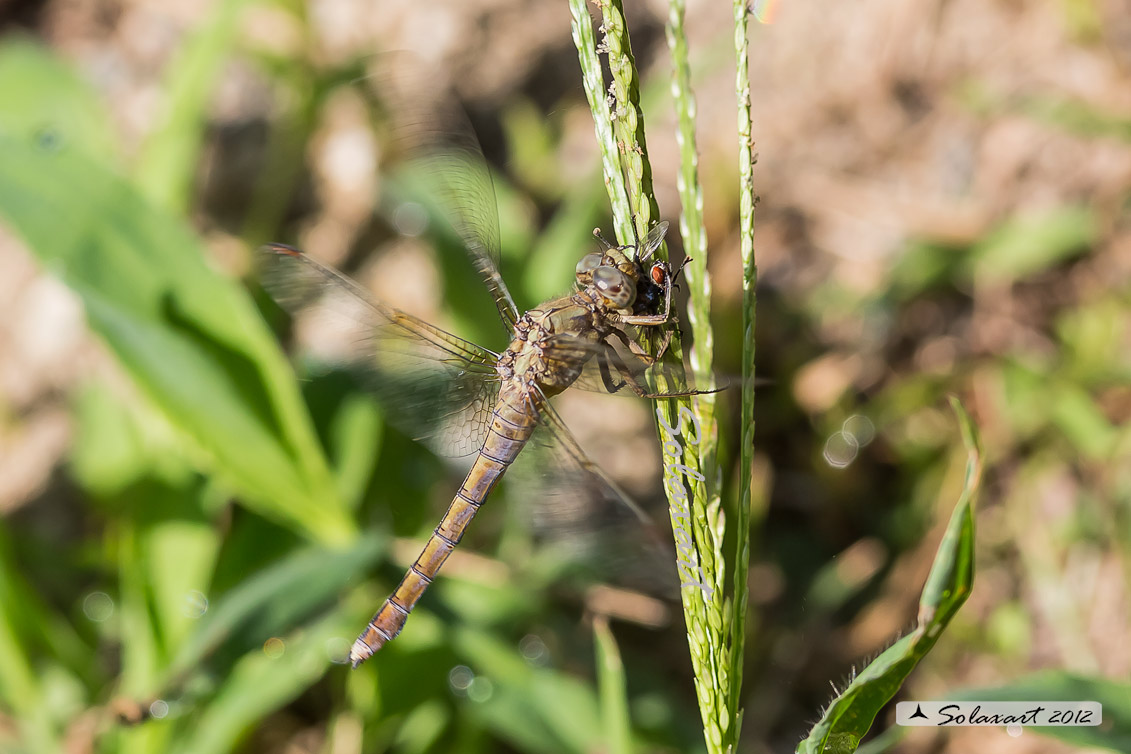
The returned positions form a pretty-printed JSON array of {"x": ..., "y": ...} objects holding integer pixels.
[
  {"x": 612, "y": 274},
  {"x": 622, "y": 275}
]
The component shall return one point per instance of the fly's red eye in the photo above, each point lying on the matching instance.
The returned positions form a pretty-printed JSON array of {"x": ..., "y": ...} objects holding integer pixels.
[{"x": 659, "y": 274}]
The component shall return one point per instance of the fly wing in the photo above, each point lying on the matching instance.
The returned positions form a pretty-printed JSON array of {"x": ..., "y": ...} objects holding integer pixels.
[
  {"x": 434, "y": 386},
  {"x": 434, "y": 143},
  {"x": 652, "y": 241}
]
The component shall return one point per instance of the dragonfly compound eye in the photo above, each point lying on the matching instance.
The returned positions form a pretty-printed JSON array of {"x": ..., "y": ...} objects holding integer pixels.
[
  {"x": 588, "y": 263},
  {"x": 615, "y": 286}
]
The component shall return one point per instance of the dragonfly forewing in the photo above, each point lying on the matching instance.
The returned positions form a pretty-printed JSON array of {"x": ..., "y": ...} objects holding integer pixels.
[
  {"x": 434, "y": 386},
  {"x": 436, "y": 150},
  {"x": 586, "y": 521}
]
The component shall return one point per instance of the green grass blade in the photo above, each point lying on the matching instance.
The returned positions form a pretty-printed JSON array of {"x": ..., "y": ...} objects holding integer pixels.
[
  {"x": 747, "y": 201},
  {"x": 534, "y": 708},
  {"x": 691, "y": 226},
  {"x": 628, "y": 120},
  {"x": 21, "y": 692},
  {"x": 262, "y": 682},
  {"x": 274, "y": 600},
  {"x": 850, "y": 715},
  {"x": 612, "y": 688},
  {"x": 695, "y": 518},
  {"x": 167, "y": 164}
]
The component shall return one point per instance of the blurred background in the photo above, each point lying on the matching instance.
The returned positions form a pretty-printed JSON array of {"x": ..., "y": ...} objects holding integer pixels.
[{"x": 189, "y": 539}]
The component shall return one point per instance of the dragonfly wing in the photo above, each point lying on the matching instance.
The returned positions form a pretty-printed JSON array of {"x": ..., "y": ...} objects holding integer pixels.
[
  {"x": 434, "y": 386},
  {"x": 583, "y": 512},
  {"x": 609, "y": 364},
  {"x": 436, "y": 146}
]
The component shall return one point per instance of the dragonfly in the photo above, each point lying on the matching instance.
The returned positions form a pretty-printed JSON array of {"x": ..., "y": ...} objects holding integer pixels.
[{"x": 460, "y": 397}]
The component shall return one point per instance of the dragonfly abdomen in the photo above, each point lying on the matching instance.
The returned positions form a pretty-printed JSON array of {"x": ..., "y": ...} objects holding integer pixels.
[{"x": 511, "y": 427}]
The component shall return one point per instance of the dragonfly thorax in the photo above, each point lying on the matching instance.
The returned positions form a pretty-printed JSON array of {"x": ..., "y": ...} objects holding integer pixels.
[{"x": 551, "y": 343}]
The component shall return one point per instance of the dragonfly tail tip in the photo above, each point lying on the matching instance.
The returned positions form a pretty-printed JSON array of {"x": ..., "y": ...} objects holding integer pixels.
[{"x": 360, "y": 652}]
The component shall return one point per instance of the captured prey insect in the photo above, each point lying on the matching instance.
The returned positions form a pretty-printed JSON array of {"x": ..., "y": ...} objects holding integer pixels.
[{"x": 461, "y": 398}]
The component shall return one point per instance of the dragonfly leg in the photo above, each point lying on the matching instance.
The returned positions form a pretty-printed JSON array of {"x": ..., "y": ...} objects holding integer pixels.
[
  {"x": 646, "y": 320},
  {"x": 629, "y": 379},
  {"x": 653, "y": 320},
  {"x": 665, "y": 341},
  {"x": 639, "y": 352},
  {"x": 606, "y": 375}
]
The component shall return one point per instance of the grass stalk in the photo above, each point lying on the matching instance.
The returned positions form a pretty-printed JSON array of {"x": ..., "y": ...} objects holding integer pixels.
[
  {"x": 628, "y": 120},
  {"x": 612, "y": 690},
  {"x": 593, "y": 81},
  {"x": 747, "y": 202},
  {"x": 689, "y": 461}
]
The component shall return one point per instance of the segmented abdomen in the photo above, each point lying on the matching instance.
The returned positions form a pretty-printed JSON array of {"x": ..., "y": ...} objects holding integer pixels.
[{"x": 512, "y": 423}]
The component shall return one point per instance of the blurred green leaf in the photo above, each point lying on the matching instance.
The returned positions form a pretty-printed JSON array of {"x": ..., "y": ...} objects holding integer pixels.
[
  {"x": 1092, "y": 338},
  {"x": 167, "y": 549},
  {"x": 355, "y": 444},
  {"x": 274, "y": 600},
  {"x": 166, "y": 166},
  {"x": 119, "y": 442},
  {"x": 1114, "y": 733},
  {"x": 68, "y": 119},
  {"x": 20, "y": 688},
  {"x": 848, "y": 717},
  {"x": 107, "y": 454},
  {"x": 30, "y": 630},
  {"x": 261, "y": 682},
  {"x": 1076, "y": 415},
  {"x": 535, "y": 709},
  {"x": 141, "y": 659},
  {"x": 1076, "y": 116},
  {"x": 189, "y": 337},
  {"x": 1008, "y": 631},
  {"x": 503, "y": 602},
  {"x": 550, "y": 264},
  {"x": 531, "y": 140},
  {"x": 1027, "y": 387},
  {"x": 423, "y": 727},
  {"x": 923, "y": 266},
  {"x": 1029, "y": 244},
  {"x": 1072, "y": 115},
  {"x": 612, "y": 687},
  {"x": 180, "y": 554}
]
